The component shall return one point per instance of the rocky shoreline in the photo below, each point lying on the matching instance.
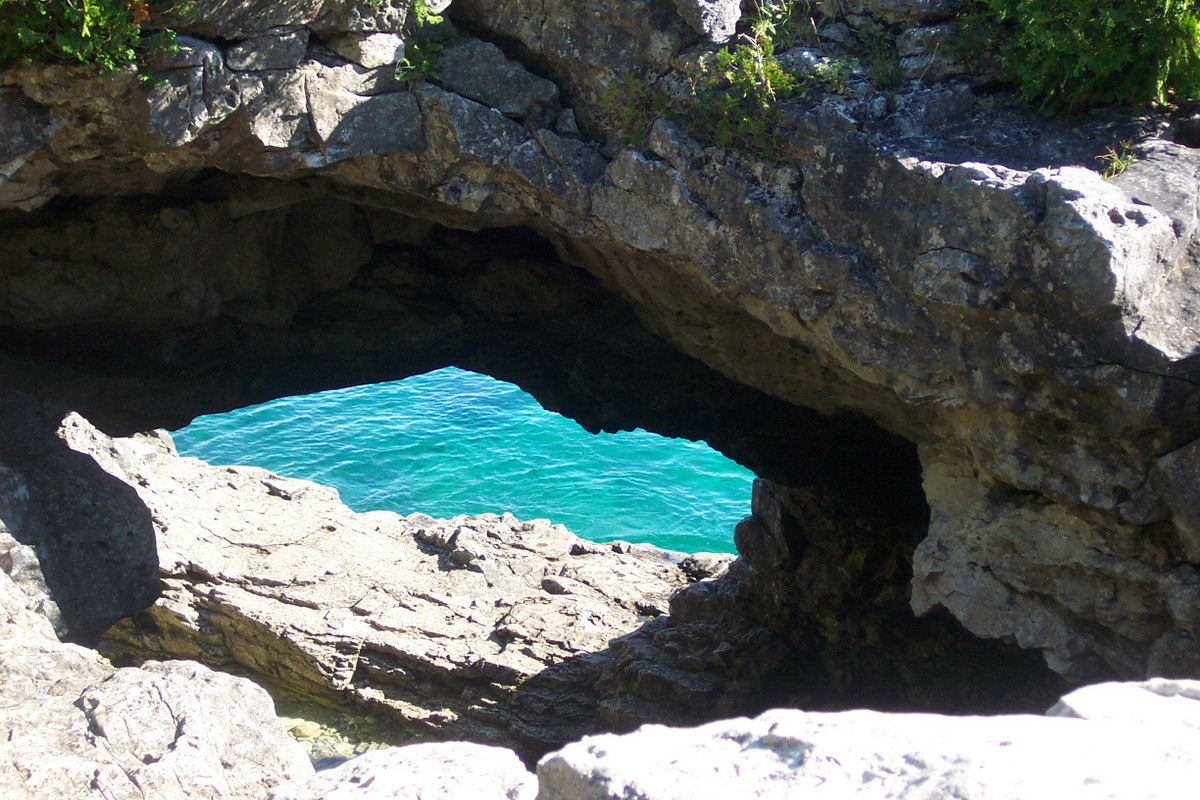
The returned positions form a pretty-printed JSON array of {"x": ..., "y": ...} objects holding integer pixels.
[
  {"x": 962, "y": 362},
  {"x": 532, "y": 665},
  {"x": 481, "y": 628}
]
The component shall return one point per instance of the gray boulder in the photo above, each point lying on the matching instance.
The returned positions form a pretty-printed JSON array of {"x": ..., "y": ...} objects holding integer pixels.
[
  {"x": 716, "y": 19},
  {"x": 282, "y": 49},
  {"x": 370, "y": 50},
  {"x": 480, "y": 71}
]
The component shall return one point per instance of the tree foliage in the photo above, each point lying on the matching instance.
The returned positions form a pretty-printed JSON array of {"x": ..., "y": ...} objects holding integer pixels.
[
  {"x": 105, "y": 33},
  {"x": 1073, "y": 54}
]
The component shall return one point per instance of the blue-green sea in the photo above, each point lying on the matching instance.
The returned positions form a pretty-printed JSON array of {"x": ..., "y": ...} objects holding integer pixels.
[{"x": 454, "y": 442}]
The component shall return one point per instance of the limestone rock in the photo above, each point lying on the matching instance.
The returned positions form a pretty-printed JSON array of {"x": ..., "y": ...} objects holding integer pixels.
[
  {"x": 370, "y": 50},
  {"x": 864, "y": 754},
  {"x": 241, "y": 19},
  {"x": 26, "y": 127},
  {"x": 1158, "y": 703},
  {"x": 716, "y": 19},
  {"x": 436, "y": 624},
  {"x": 186, "y": 102},
  {"x": 72, "y": 726},
  {"x": 450, "y": 771},
  {"x": 480, "y": 71},
  {"x": 282, "y": 49},
  {"x": 80, "y": 546},
  {"x": 940, "y": 265}
]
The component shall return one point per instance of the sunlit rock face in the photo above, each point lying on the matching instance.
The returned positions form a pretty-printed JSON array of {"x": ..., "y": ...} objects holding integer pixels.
[{"x": 930, "y": 307}]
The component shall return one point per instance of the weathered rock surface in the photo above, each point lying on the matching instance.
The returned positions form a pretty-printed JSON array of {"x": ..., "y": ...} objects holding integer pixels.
[
  {"x": 1121, "y": 741},
  {"x": 864, "y": 754},
  {"x": 72, "y": 726},
  {"x": 938, "y": 265},
  {"x": 449, "y": 771},
  {"x": 78, "y": 542},
  {"x": 716, "y": 19},
  {"x": 461, "y": 628}
]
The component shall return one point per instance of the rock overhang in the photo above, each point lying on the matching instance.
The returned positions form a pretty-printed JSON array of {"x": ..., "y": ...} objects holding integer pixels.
[{"x": 1031, "y": 329}]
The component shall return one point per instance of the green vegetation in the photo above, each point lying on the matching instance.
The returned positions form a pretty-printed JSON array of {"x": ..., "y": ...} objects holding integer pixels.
[
  {"x": 104, "y": 33},
  {"x": 736, "y": 100},
  {"x": 787, "y": 23},
  {"x": 882, "y": 62},
  {"x": 1116, "y": 159},
  {"x": 420, "y": 61},
  {"x": 423, "y": 16},
  {"x": 1073, "y": 54},
  {"x": 422, "y": 49}
]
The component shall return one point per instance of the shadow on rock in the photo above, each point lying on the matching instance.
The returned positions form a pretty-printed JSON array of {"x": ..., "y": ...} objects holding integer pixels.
[{"x": 93, "y": 535}]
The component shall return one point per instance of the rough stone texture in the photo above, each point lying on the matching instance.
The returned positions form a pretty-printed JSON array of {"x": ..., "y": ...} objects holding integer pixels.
[
  {"x": 863, "y": 754},
  {"x": 940, "y": 262},
  {"x": 716, "y": 19},
  {"x": 77, "y": 540},
  {"x": 1159, "y": 703},
  {"x": 243, "y": 19},
  {"x": 369, "y": 50},
  {"x": 26, "y": 127},
  {"x": 281, "y": 49},
  {"x": 478, "y": 70},
  {"x": 435, "y": 625},
  {"x": 72, "y": 726},
  {"x": 450, "y": 771}
]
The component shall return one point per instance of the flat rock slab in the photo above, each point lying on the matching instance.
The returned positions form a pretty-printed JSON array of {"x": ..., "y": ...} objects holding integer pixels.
[
  {"x": 434, "y": 625},
  {"x": 865, "y": 754}
]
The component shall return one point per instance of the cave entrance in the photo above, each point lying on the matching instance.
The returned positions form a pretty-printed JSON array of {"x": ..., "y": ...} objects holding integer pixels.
[
  {"x": 453, "y": 442},
  {"x": 230, "y": 293}
]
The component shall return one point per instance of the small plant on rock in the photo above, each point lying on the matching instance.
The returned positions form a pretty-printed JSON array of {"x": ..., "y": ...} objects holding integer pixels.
[
  {"x": 737, "y": 98},
  {"x": 104, "y": 33},
  {"x": 787, "y": 23},
  {"x": 1117, "y": 159},
  {"x": 422, "y": 48},
  {"x": 637, "y": 107}
]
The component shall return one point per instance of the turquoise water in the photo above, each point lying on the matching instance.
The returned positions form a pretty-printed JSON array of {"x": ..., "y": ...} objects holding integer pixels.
[{"x": 453, "y": 442}]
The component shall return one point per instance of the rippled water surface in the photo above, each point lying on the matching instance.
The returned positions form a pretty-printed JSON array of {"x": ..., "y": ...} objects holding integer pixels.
[{"x": 454, "y": 442}]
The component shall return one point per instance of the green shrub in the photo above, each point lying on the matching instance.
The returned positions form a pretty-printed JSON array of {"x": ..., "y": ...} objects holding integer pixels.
[
  {"x": 737, "y": 99},
  {"x": 787, "y": 23},
  {"x": 104, "y": 33},
  {"x": 1072, "y": 54}
]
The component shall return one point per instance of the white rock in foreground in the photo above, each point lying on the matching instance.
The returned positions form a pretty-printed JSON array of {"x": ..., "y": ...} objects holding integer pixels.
[
  {"x": 1158, "y": 701},
  {"x": 864, "y": 754},
  {"x": 74, "y": 728},
  {"x": 434, "y": 771}
]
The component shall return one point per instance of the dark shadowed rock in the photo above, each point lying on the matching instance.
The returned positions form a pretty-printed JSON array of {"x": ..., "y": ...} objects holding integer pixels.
[{"x": 26, "y": 126}]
